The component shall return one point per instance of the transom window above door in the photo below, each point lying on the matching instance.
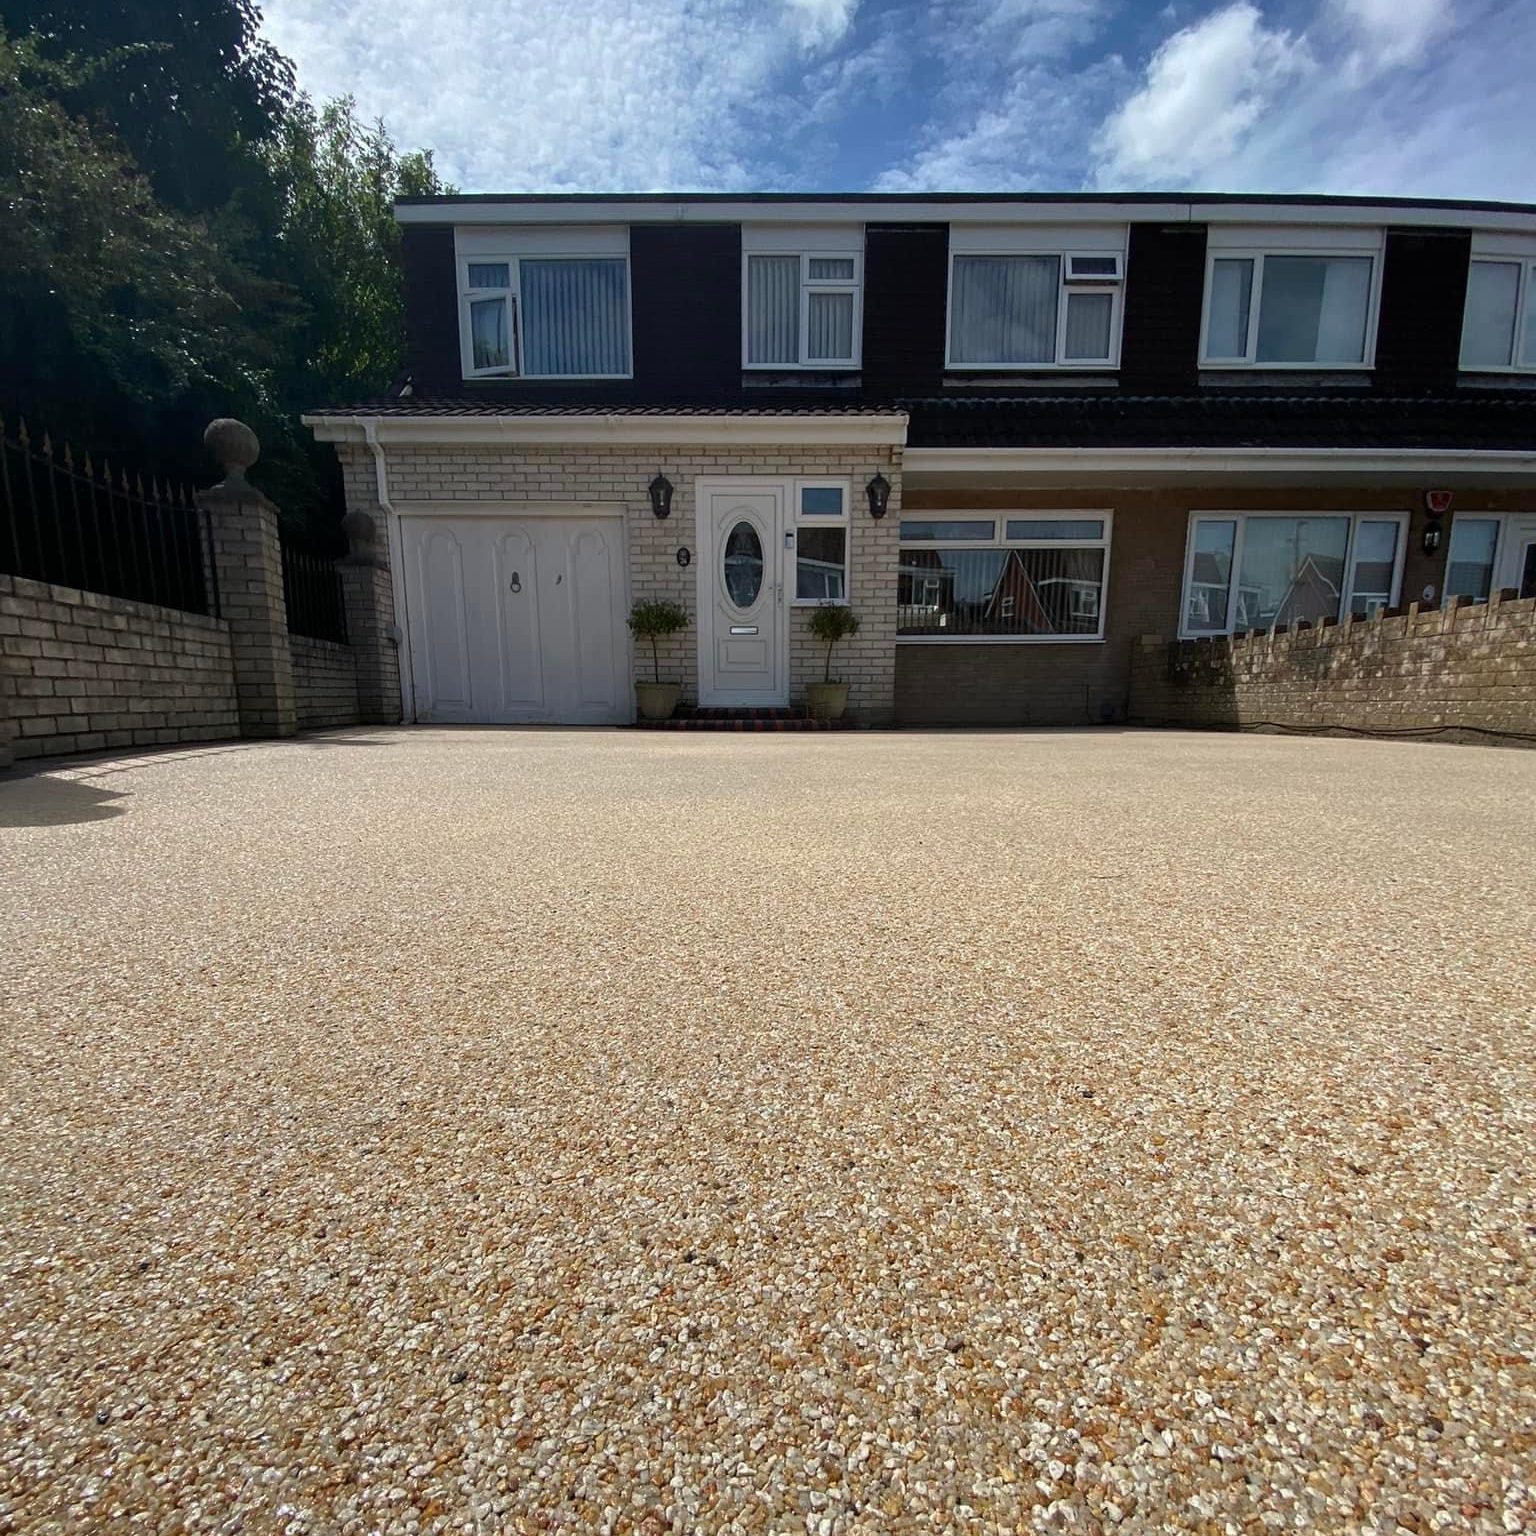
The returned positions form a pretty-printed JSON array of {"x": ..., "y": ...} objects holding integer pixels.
[
  {"x": 545, "y": 305},
  {"x": 1013, "y": 305},
  {"x": 1268, "y": 570},
  {"x": 1307, "y": 300},
  {"x": 802, "y": 301}
]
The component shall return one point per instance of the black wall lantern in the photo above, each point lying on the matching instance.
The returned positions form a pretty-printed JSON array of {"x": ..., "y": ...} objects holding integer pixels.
[
  {"x": 1431, "y": 537},
  {"x": 660, "y": 490},
  {"x": 879, "y": 492}
]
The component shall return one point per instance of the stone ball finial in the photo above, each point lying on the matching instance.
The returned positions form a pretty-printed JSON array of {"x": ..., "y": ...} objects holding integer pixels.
[
  {"x": 360, "y": 532},
  {"x": 232, "y": 443}
]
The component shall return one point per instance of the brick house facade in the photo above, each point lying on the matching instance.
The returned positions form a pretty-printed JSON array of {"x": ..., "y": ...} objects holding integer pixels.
[{"x": 1152, "y": 413}]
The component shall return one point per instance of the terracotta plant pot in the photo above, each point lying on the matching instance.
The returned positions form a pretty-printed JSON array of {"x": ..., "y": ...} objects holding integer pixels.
[
  {"x": 827, "y": 701},
  {"x": 657, "y": 700}
]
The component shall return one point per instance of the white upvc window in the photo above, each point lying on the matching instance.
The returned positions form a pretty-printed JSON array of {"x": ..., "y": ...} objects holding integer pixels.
[
  {"x": 1017, "y": 305},
  {"x": 990, "y": 577},
  {"x": 1291, "y": 298},
  {"x": 1498, "y": 328},
  {"x": 544, "y": 304},
  {"x": 802, "y": 297},
  {"x": 1265, "y": 570},
  {"x": 820, "y": 530}
]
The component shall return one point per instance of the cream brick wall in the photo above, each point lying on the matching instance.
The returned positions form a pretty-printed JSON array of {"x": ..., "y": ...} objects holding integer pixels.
[
  {"x": 324, "y": 683},
  {"x": 80, "y": 672},
  {"x": 619, "y": 475}
]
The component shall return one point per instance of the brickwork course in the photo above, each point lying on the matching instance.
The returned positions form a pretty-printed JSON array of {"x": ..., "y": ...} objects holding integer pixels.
[{"x": 1469, "y": 668}]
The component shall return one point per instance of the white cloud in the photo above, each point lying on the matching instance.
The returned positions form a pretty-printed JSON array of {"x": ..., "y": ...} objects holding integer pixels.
[
  {"x": 1392, "y": 32},
  {"x": 1205, "y": 89},
  {"x": 1356, "y": 102},
  {"x": 553, "y": 95}
]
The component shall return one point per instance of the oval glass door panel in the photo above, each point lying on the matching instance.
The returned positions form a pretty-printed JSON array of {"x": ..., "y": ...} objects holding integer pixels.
[{"x": 743, "y": 563}]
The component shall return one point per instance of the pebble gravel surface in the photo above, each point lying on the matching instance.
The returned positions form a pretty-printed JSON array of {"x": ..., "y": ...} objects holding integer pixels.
[{"x": 479, "y": 1132}]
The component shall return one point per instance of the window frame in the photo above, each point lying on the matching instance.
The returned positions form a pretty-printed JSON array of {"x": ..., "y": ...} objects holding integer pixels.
[
  {"x": 1256, "y": 253},
  {"x": 513, "y": 297},
  {"x": 808, "y": 286},
  {"x": 844, "y": 520},
  {"x": 1523, "y": 301},
  {"x": 1240, "y": 518},
  {"x": 1000, "y": 517},
  {"x": 1065, "y": 287}
]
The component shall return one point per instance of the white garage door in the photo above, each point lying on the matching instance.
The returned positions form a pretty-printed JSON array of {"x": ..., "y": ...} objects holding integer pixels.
[{"x": 516, "y": 620}]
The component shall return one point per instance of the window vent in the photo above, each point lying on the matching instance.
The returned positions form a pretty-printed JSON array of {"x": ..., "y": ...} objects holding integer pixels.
[{"x": 1095, "y": 268}]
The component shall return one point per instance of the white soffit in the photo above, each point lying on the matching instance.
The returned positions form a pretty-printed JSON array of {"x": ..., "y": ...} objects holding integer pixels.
[{"x": 616, "y": 427}]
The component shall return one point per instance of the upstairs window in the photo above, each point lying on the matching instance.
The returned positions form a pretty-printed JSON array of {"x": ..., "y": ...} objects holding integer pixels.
[
  {"x": 1498, "y": 329},
  {"x": 544, "y": 317},
  {"x": 1290, "y": 307},
  {"x": 803, "y": 306},
  {"x": 1023, "y": 310}
]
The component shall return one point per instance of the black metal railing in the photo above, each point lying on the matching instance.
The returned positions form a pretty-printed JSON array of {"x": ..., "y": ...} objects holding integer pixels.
[
  {"x": 312, "y": 591},
  {"x": 78, "y": 525}
]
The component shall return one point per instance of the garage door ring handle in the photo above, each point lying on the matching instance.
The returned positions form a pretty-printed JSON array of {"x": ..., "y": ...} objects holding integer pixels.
[{"x": 517, "y": 582}]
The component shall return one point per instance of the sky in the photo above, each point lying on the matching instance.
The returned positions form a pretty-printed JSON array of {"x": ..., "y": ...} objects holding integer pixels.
[{"x": 1428, "y": 98}]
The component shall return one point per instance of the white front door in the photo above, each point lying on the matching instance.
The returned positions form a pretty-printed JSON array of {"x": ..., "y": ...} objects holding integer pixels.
[
  {"x": 517, "y": 620},
  {"x": 743, "y": 622},
  {"x": 1517, "y": 564}
]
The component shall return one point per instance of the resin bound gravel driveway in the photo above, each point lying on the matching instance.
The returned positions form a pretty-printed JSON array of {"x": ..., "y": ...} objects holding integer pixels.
[{"x": 513, "y": 1131}]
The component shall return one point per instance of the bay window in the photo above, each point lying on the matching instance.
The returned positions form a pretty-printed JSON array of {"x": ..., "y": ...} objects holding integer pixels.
[
  {"x": 544, "y": 316},
  {"x": 802, "y": 297},
  {"x": 1280, "y": 306},
  {"x": 1026, "y": 576},
  {"x": 1266, "y": 570},
  {"x": 1021, "y": 309},
  {"x": 820, "y": 517},
  {"x": 1498, "y": 329}
]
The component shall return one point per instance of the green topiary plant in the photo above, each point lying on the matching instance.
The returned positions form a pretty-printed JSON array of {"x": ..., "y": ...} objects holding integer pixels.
[
  {"x": 831, "y": 624},
  {"x": 654, "y": 621}
]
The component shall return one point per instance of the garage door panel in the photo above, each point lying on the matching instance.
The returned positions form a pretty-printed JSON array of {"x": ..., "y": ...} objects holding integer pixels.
[
  {"x": 516, "y": 563},
  {"x": 441, "y": 650},
  {"x": 596, "y": 593},
  {"x": 517, "y": 619}
]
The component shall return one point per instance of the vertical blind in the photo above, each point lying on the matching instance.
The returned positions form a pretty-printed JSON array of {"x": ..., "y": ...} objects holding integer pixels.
[
  {"x": 1088, "y": 321},
  {"x": 1231, "y": 295},
  {"x": 1003, "y": 309},
  {"x": 773, "y": 309},
  {"x": 831, "y": 327},
  {"x": 1488, "y": 332},
  {"x": 575, "y": 316}
]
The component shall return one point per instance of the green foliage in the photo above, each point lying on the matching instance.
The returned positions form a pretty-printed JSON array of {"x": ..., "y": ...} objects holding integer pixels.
[
  {"x": 832, "y": 623},
  {"x": 654, "y": 621},
  {"x": 182, "y": 236}
]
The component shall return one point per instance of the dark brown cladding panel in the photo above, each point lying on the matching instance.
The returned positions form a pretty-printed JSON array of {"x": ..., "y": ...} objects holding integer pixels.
[
  {"x": 1423, "y": 289},
  {"x": 906, "y": 284},
  {"x": 431, "y": 309},
  {"x": 1164, "y": 287},
  {"x": 686, "y": 285}
]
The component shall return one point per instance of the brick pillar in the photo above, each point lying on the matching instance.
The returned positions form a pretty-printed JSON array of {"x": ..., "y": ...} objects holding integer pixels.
[
  {"x": 248, "y": 563},
  {"x": 371, "y": 629}
]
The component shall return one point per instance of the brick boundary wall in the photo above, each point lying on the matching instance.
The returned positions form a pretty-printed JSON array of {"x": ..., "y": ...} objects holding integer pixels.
[
  {"x": 1467, "y": 668},
  {"x": 324, "y": 683},
  {"x": 80, "y": 672},
  {"x": 618, "y": 475}
]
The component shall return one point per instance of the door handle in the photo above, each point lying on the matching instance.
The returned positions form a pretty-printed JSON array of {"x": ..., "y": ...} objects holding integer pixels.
[{"x": 517, "y": 582}]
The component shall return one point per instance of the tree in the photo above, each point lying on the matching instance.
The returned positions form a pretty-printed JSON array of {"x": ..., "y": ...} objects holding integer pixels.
[
  {"x": 112, "y": 306},
  {"x": 185, "y": 236}
]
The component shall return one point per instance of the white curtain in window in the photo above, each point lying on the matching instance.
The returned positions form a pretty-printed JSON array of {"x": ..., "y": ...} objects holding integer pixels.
[
  {"x": 488, "y": 334},
  {"x": 1231, "y": 294},
  {"x": 1003, "y": 309},
  {"x": 1488, "y": 329},
  {"x": 1312, "y": 309},
  {"x": 773, "y": 309},
  {"x": 575, "y": 317},
  {"x": 1088, "y": 317},
  {"x": 830, "y": 337}
]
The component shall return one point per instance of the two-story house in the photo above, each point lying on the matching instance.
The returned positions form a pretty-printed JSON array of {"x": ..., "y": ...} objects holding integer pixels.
[{"x": 1013, "y": 432}]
